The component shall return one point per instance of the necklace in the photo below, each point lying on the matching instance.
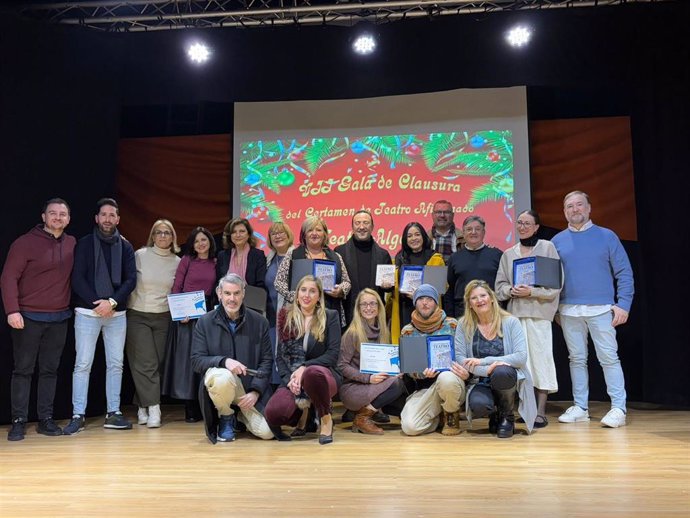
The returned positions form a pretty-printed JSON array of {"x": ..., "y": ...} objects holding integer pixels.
[
  {"x": 316, "y": 255},
  {"x": 486, "y": 331}
]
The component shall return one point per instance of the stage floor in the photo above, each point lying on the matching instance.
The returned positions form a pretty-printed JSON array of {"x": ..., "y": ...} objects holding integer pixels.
[{"x": 578, "y": 469}]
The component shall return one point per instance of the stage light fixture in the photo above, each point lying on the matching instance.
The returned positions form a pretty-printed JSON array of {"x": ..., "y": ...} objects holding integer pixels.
[
  {"x": 519, "y": 36},
  {"x": 198, "y": 53},
  {"x": 364, "y": 44}
]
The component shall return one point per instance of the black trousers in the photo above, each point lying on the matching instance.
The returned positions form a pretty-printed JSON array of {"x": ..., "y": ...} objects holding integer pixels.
[
  {"x": 42, "y": 341},
  {"x": 487, "y": 393}
]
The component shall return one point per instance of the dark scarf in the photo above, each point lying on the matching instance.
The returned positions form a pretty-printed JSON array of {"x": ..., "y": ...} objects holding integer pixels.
[
  {"x": 431, "y": 324},
  {"x": 530, "y": 241},
  {"x": 106, "y": 279}
]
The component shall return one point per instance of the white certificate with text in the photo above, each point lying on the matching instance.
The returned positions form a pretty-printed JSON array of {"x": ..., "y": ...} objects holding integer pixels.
[
  {"x": 379, "y": 358},
  {"x": 187, "y": 305}
]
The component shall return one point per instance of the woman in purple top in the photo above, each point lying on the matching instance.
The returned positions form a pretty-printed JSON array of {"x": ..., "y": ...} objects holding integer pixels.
[{"x": 196, "y": 272}]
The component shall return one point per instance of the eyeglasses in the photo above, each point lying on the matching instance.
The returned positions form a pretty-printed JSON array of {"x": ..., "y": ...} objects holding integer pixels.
[
  {"x": 524, "y": 224},
  {"x": 365, "y": 305},
  {"x": 443, "y": 212},
  {"x": 162, "y": 233},
  {"x": 280, "y": 233}
]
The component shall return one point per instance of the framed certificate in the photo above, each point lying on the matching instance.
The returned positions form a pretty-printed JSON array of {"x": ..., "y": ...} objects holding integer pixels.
[
  {"x": 325, "y": 270},
  {"x": 523, "y": 271},
  {"x": 440, "y": 352},
  {"x": 379, "y": 358},
  {"x": 410, "y": 278},
  {"x": 538, "y": 271},
  {"x": 421, "y": 352},
  {"x": 187, "y": 305}
]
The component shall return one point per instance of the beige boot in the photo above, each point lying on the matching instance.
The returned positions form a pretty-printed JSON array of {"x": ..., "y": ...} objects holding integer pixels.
[{"x": 451, "y": 423}]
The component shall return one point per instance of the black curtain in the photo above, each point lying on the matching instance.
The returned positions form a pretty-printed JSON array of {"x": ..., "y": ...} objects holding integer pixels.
[{"x": 59, "y": 125}]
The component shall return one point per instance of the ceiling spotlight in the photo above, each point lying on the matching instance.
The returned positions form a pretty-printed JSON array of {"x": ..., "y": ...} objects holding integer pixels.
[
  {"x": 364, "y": 44},
  {"x": 198, "y": 53},
  {"x": 519, "y": 36}
]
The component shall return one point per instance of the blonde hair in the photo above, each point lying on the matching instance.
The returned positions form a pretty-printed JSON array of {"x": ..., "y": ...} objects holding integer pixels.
[
  {"x": 279, "y": 226},
  {"x": 356, "y": 328},
  {"x": 574, "y": 193},
  {"x": 174, "y": 248},
  {"x": 294, "y": 321},
  {"x": 310, "y": 223},
  {"x": 470, "y": 320}
]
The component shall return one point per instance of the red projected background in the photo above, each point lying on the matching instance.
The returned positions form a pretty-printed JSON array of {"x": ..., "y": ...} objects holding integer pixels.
[{"x": 396, "y": 177}]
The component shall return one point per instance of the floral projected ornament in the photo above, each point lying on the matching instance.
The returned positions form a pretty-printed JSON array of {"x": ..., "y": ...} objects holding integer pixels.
[{"x": 396, "y": 177}]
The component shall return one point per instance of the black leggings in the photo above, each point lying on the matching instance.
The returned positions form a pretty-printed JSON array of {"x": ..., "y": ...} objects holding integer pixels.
[
  {"x": 485, "y": 394},
  {"x": 391, "y": 394}
]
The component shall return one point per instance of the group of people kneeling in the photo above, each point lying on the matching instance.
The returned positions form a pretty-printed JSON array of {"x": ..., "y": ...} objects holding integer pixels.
[{"x": 231, "y": 348}]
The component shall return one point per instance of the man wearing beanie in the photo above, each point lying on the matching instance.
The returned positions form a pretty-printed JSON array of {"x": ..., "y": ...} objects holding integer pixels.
[{"x": 433, "y": 394}]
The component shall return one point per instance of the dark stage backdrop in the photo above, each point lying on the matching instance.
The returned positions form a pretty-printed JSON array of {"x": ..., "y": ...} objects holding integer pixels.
[{"x": 68, "y": 94}]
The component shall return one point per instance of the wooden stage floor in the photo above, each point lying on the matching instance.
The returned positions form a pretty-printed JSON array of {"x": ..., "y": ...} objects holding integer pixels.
[{"x": 579, "y": 469}]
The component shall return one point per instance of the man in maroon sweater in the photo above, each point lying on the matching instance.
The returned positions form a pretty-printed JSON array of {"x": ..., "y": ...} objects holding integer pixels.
[{"x": 36, "y": 292}]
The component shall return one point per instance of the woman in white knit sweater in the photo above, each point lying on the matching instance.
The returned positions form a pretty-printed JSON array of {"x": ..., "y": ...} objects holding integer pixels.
[
  {"x": 534, "y": 306},
  {"x": 148, "y": 318}
]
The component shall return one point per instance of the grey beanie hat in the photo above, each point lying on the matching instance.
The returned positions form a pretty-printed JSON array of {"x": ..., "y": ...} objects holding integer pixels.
[{"x": 425, "y": 290}]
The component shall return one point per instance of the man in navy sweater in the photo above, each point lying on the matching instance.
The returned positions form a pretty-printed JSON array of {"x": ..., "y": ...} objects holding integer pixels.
[
  {"x": 474, "y": 260},
  {"x": 593, "y": 258},
  {"x": 36, "y": 292},
  {"x": 103, "y": 277}
]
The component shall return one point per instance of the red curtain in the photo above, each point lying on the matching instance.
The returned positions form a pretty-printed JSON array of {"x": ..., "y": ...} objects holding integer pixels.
[
  {"x": 184, "y": 179},
  {"x": 590, "y": 155}
]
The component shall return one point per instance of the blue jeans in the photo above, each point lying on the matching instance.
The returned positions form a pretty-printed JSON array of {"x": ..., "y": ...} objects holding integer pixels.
[
  {"x": 86, "y": 331},
  {"x": 575, "y": 331}
]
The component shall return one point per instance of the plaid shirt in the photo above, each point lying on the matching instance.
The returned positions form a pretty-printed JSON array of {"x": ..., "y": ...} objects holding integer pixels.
[{"x": 444, "y": 244}]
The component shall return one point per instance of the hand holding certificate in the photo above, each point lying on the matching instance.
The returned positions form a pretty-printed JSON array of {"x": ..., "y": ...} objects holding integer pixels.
[
  {"x": 441, "y": 352},
  {"x": 385, "y": 275},
  {"x": 411, "y": 278},
  {"x": 425, "y": 354},
  {"x": 325, "y": 270},
  {"x": 379, "y": 359},
  {"x": 187, "y": 305}
]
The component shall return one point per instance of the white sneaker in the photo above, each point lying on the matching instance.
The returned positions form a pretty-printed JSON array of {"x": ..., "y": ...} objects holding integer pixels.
[
  {"x": 574, "y": 415},
  {"x": 614, "y": 419},
  {"x": 154, "y": 417},
  {"x": 142, "y": 415}
]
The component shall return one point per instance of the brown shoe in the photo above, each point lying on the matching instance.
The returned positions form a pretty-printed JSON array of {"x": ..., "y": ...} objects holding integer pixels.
[
  {"x": 451, "y": 423},
  {"x": 363, "y": 423}
]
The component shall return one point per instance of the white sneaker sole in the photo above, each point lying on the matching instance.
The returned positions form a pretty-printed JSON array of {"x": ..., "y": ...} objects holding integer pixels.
[
  {"x": 612, "y": 425},
  {"x": 578, "y": 420}
]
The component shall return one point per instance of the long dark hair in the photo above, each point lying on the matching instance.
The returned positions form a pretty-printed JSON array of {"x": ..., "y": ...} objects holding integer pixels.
[
  {"x": 426, "y": 241},
  {"x": 189, "y": 245}
]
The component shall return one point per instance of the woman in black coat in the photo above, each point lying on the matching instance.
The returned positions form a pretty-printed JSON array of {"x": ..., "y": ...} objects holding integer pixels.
[
  {"x": 241, "y": 255},
  {"x": 307, "y": 355}
]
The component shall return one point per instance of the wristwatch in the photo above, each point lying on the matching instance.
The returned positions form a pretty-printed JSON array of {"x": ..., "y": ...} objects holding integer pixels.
[{"x": 113, "y": 303}]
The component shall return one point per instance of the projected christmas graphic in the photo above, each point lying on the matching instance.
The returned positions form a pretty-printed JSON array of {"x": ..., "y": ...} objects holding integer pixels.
[{"x": 396, "y": 177}]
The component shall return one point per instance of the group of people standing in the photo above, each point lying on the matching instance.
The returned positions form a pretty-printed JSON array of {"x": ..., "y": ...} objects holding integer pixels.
[{"x": 238, "y": 369}]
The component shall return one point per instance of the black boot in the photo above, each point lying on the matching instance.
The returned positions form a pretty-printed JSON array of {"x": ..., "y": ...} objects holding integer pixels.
[
  {"x": 506, "y": 420},
  {"x": 279, "y": 434},
  {"x": 192, "y": 411},
  {"x": 493, "y": 422}
]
